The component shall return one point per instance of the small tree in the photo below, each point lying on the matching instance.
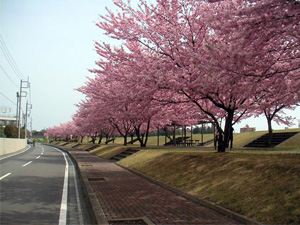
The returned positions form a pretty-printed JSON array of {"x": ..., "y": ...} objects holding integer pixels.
[{"x": 11, "y": 131}]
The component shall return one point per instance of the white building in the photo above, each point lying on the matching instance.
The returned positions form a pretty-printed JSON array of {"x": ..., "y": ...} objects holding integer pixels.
[{"x": 7, "y": 116}]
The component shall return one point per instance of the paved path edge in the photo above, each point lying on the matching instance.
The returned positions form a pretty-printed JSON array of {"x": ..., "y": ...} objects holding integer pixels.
[
  {"x": 198, "y": 200},
  {"x": 97, "y": 212}
]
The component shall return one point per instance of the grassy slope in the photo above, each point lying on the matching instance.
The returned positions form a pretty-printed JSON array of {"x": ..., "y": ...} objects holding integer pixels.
[
  {"x": 291, "y": 143},
  {"x": 109, "y": 151},
  {"x": 261, "y": 186}
]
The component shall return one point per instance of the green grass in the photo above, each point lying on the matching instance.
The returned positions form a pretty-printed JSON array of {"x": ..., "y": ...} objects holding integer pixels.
[
  {"x": 291, "y": 144},
  {"x": 71, "y": 144},
  {"x": 61, "y": 143},
  {"x": 109, "y": 151},
  {"x": 84, "y": 146},
  {"x": 265, "y": 187}
]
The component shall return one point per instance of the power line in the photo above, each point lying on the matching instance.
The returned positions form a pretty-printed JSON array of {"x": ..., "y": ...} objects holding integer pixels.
[
  {"x": 10, "y": 59},
  {"x": 8, "y": 98},
  {"x": 8, "y": 76}
]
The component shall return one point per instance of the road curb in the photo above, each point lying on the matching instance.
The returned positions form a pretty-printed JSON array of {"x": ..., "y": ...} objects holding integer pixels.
[
  {"x": 206, "y": 203},
  {"x": 98, "y": 215}
]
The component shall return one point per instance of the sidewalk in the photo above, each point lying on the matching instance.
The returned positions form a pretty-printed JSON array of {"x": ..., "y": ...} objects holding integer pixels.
[{"x": 123, "y": 195}]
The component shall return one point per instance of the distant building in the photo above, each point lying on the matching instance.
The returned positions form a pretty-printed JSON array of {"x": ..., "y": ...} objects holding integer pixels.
[
  {"x": 7, "y": 117},
  {"x": 247, "y": 129},
  {"x": 38, "y": 133}
]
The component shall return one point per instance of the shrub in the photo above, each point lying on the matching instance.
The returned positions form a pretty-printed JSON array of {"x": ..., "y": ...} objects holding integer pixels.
[{"x": 11, "y": 131}]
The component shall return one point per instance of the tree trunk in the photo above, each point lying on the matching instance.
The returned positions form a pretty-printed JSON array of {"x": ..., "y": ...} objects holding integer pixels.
[
  {"x": 174, "y": 135},
  {"x": 221, "y": 146},
  {"x": 158, "y": 136},
  {"x": 224, "y": 142},
  {"x": 270, "y": 132},
  {"x": 143, "y": 144},
  {"x": 147, "y": 133},
  {"x": 125, "y": 140},
  {"x": 131, "y": 135},
  {"x": 143, "y": 138},
  {"x": 137, "y": 133},
  {"x": 100, "y": 139}
]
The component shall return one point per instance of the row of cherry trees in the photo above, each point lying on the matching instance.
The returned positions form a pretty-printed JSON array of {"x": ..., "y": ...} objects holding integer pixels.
[{"x": 185, "y": 61}]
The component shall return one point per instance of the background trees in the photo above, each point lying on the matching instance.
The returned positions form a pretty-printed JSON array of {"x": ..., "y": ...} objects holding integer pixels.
[{"x": 11, "y": 131}]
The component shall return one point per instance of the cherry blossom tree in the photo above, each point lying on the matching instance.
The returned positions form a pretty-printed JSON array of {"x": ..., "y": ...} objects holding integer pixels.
[
  {"x": 206, "y": 54},
  {"x": 276, "y": 95},
  {"x": 265, "y": 36},
  {"x": 184, "y": 61},
  {"x": 63, "y": 131},
  {"x": 127, "y": 109},
  {"x": 102, "y": 104},
  {"x": 91, "y": 122},
  {"x": 176, "y": 31}
]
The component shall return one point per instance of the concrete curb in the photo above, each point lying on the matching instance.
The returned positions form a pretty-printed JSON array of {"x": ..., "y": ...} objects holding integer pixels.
[
  {"x": 203, "y": 202},
  {"x": 98, "y": 215},
  {"x": 97, "y": 211}
]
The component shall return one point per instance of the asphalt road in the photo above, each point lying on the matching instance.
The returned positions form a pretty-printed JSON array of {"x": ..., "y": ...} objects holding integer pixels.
[{"x": 40, "y": 186}]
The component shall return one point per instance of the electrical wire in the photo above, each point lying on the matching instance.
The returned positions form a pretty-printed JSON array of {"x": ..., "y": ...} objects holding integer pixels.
[
  {"x": 9, "y": 58},
  {"x": 8, "y": 98},
  {"x": 8, "y": 77}
]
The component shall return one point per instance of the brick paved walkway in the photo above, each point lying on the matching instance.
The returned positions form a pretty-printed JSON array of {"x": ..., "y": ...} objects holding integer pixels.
[{"x": 123, "y": 194}]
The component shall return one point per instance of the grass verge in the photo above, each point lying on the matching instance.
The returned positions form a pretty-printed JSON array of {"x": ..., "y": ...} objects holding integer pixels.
[{"x": 109, "y": 151}]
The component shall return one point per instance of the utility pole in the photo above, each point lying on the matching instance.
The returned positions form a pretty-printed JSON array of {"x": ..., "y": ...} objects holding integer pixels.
[
  {"x": 28, "y": 107},
  {"x": 19, "y": 110},
  {"x": 31, "y": 127},
  {"x": 17, "y": 114},
  {"x": 23, "y": 84},
  {"x": 26, "y": 116}
]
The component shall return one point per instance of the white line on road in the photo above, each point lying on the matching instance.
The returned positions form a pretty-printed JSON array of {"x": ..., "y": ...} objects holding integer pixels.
[
  {"x": 42, "y": 150},
  {"x": 77, "y": 195},
  {"x": 76, "y": 188},
  {"x": 64, "y": 198},
  {"x": 26, "y": 164},
  {"x": 6, "y": 175}
]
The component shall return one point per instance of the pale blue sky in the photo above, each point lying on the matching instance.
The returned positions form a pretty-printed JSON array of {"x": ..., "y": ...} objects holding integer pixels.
[{"x": 52, "y": 42}]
